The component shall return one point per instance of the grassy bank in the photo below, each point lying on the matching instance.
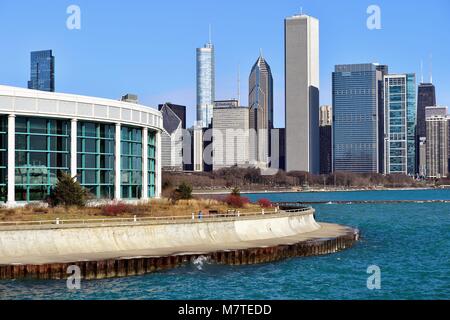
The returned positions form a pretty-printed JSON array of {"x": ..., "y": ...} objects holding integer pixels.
[{"x": 155, "y": 208}]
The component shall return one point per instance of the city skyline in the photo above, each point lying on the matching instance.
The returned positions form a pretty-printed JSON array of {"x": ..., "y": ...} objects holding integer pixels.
[{"x": 114, "y": 75}]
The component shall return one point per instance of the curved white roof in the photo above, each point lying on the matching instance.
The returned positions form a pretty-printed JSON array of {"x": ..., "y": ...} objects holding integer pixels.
[{"x": 26, "y": 102}]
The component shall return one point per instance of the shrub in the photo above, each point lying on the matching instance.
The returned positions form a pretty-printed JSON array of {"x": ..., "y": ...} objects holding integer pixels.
[
  {"x": 183, "y": 192},
  {"x": 236, "y": 192},
  {"x": 265, "y": 203},
  {"x": 68, "y": 192},
  {"x": 115, "y": 209},
  {"x": 236, "y": 201}
]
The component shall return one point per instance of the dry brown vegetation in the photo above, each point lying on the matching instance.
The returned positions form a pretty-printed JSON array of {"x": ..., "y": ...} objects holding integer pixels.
[
  {"x": 252, "y": 179},
  {"x": 155, "y": 208}
]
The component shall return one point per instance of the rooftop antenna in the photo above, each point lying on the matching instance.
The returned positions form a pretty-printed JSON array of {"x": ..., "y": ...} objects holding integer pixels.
[
  {"x": 431, "y": 68},
  {"x": 210, "y": 34},
  {"x": 239, "y": 85},
  {"x": 301, "y": 11},
  {"x": 421, "y": 71}
]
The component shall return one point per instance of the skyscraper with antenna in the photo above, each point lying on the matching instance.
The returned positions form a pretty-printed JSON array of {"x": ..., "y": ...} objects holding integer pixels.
[
  {"x": 426, "y": 97},
  {"x": 205, "y": 83}
]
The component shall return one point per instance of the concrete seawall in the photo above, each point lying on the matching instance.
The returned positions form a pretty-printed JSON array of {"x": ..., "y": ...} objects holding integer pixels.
[{"x": 114, "y": 250}]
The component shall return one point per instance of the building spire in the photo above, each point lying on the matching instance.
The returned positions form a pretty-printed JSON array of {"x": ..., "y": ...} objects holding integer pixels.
[{"x": 261, "y": 53}]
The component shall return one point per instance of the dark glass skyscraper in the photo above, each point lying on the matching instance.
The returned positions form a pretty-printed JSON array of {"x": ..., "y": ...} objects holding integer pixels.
[
  {"x": 261, "y": 112},
  {"x": 42, "y": 71},
  {"x": 426, "y": 98}
]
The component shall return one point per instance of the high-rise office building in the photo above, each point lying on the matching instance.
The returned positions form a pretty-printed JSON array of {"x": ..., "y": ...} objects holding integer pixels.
[
  {"x": 426, "y": 97},
  {"x": 325, "y": 115},
  {"x": 400, "y": 124},
  {"x": 437, "y": 142},
  {"x": 205, "y": 84},
  {"x": 302, "y": 93},
  {"x": 260, "y": 101},
  {"x": 356, "y": 128},
  {"x": 171, "y": 140},
  {"x": 326, "y": 145},
  {"x": 42, "y": 68},
  {"x": 179, "y": 110},
  {"x": 230, "y": 137}
]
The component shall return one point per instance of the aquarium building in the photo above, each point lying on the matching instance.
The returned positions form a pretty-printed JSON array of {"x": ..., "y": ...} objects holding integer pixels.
[{"x": 112, "y": 147}]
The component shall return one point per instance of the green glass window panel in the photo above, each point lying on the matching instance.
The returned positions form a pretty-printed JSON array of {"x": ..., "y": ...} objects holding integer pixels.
[
  {"x": 38, "y": 143},
  {"x": 90, "y": 145},
  {"x": 21, "y": 142},
  {"x": 21, "y": 125},
  {"x": 38, "y": 125},
  {"x": 38, "y": 159}
]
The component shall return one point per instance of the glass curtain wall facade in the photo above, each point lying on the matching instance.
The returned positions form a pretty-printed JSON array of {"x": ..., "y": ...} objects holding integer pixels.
[
  {"x": 3, "y": 157},
  {"x": 356, "y": 118},
  {"x": 95, "y": 158},
  {"x": 42, "y": 153},
  {"x": 205, "y": 84},
  {"x": 42, "y": 73},
  {"x": 131, "y": 162},
  {"x": 151, "y": 164},
  {"x": 400, "y": 118}
]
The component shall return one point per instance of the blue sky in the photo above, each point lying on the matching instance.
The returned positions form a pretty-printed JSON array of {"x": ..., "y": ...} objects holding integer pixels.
[{"x": 148, "y": 47}]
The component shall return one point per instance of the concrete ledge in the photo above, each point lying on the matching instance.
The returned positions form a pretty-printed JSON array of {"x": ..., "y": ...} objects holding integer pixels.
[{"x": 114, "y": 251}]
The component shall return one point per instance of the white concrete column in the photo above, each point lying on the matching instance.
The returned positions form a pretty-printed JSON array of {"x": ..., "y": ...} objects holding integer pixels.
[
  {"x": 11, "y": 201},
  {"x": 117, "y": 155},
  {"x": 73, "y": 147},
  {"x": 158, "y": 191},
  {"x": 145, "y": 164}
]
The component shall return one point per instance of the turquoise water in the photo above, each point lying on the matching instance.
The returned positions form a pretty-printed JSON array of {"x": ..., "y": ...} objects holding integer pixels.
[{"x": 410, "y": 242}]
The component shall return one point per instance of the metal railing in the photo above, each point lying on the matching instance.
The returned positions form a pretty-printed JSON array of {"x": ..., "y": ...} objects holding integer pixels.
[{"x": 193, "y": 218}]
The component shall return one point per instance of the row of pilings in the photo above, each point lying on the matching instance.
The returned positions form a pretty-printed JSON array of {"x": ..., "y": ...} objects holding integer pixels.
[{"x": 113, "y": 268}]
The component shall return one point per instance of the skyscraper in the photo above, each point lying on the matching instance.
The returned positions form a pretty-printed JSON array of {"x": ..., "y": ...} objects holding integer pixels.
[
  {"x": 260, "y": 101},
  {"x": 179, "y": 110},
  {"x": 437, "y": 142},
  {"x": 326, "y": 146},
  {"x": 205, "y": 84},
  {"x": 302, "y": 93},
  {"x": 426, "y": 97},
  {"x": 356, "y": 118},
  {"x": 171, "y": 140},
  {"x": 42, "y": 71},
  {"x": 230, "y": 137},
  {"x": 400, "y": 124}
]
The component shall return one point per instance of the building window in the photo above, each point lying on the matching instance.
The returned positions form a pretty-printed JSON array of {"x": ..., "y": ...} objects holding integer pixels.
[
  {"x": 151, "y": 164},
  {"x": 95, "y": 158},
  {"x": 42, "y": 153},
  {"x": 3, "y": 157},
  {"x": 131, "y": 163}
]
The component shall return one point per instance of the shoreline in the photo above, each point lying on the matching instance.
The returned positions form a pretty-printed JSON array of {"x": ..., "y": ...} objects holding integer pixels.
[
  {"x": 277, "y": 191},
  {"x": 143, "y": 248}
]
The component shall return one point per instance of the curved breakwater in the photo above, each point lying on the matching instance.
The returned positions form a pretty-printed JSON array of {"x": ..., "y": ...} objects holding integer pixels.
[{"x": 116, "y": 250}]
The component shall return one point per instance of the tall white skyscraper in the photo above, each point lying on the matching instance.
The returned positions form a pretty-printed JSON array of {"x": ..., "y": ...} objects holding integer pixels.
[
  {"x": 205, "y": 84},
  {"x": 302, "y": 93}
]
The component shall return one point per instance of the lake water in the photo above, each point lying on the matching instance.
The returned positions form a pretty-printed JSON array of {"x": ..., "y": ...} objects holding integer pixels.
[{"x": 409, "y": 242}]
